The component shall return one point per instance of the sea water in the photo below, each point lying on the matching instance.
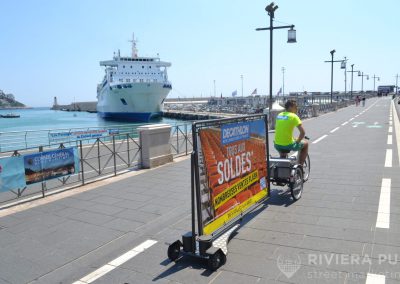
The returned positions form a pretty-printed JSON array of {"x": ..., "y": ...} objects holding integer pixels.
[
  {"x": 46, "y": 119},
  {"x": 37, "y": 126}
]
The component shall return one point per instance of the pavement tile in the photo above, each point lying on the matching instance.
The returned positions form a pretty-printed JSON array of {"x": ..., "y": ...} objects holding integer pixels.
[
  {"x": 232, "y": 277},
  {"x": 122, "y": 225},
  {"x": 104, "y": 209},
  {"x": 126, "y": 276},
  {"x": 91, "y": 217},
  {"x": 136, "y": 215},
  {"x": 252, "y": 265},
  {"x": 9, "y": 221},
  {"x": 308, "y": 274},
  {"x": 129, "y": 204},
  {"x": 332, "y": 245},
  {"x": 106, "y": 200}
]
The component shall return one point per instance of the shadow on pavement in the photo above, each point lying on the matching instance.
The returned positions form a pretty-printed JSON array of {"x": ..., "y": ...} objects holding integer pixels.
[
  {"x": 279, "y": 197},
  {"x": 184, "y": 262}
]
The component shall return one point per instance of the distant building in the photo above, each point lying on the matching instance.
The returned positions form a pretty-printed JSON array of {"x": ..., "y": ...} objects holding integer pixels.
[{"x": 384, "y": 90}]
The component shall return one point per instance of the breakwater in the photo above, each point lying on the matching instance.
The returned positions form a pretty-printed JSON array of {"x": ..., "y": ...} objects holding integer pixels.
[{"x": 78, "y": 106}]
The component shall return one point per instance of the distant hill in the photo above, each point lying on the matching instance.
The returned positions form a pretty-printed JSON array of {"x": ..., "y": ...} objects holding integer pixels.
[{"x": 8, "y": 101}]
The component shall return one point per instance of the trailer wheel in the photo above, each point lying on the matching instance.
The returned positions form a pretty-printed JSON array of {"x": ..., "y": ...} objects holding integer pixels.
[
  {"x": 174, "y": 251},
  {"x": 216, "y": 260}
]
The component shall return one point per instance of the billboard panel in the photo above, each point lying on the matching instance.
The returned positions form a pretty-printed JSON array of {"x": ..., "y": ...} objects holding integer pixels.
[
  {"x": 12, "y": 175},
  {"x": 50, "y": 164},
  {"x": 233, "y": 170}
]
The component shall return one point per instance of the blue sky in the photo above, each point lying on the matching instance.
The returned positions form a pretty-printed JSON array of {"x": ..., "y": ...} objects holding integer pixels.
[{"x": 53, "y": 48}]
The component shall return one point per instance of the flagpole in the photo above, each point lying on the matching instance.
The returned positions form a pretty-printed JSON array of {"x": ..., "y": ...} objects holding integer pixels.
[{"x": 241, "y": 76}]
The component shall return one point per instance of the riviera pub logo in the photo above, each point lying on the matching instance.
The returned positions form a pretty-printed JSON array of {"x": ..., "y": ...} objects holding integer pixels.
[{"x": 288, "y": 264}]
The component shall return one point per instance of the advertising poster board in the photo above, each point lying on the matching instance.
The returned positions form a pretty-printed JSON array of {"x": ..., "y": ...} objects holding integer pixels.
[
  {"x": 233, "y": 170},
  {"x": 81, "y": 134},
  {"x": 12, "y": 175},
  {"x": 50, "y": 164}
]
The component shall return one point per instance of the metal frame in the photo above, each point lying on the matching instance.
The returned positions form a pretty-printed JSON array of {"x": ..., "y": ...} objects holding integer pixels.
[{"x": 209, "y": 246}]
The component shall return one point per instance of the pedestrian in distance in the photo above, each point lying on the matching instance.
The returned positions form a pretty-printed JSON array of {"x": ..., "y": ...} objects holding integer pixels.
[
  {"x": 363, "y": 101},
  {"x": 357, "y": 100}
]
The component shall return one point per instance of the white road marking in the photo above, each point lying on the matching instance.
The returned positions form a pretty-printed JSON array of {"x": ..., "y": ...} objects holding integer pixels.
[
  {"x": 388, "y": 159},
  {"x": 351, "y": 119},
  {"x": 320, "y": 138},
  {"x": 390, "y": 123},
  {"x": 115, "y": 263},
  {"x": 383, "y": 219},
  {"x": 375, "y": 279},
  {"x": 390, "y": 139},
  {"x": 333, "y": 130},
  {"x": 390, "y": 129},
  {"x": 357, "y": 115},
  {"x": 344, "y": 123}
]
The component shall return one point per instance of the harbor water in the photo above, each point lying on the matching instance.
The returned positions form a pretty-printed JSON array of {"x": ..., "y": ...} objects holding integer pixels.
[
  {"x": 45, "y": 118},
  {"x": 34, "y": 126}
]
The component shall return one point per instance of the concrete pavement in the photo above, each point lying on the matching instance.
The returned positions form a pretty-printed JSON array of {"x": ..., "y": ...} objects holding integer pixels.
[{"x": 103, "y": 233}]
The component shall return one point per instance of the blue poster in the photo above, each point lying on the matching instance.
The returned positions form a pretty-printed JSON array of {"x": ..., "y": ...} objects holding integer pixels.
[
  {"x": 51, "y": 164},
  {"x": 12, "y": 174},
  {"x": 235, "y": 132}
]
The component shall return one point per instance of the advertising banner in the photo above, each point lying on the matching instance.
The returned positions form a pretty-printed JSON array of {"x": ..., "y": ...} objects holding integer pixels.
[
  {"x": 12, "y": 175},
  {"x": 50, "y": 164},
  {"x": 232, "y": 161},
  {"x": 82, "y": 134}
]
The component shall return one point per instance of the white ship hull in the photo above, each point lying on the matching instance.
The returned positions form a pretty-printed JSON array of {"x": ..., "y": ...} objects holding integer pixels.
[
  {"x": 133, "y": 88},
  {"x": 132, "y": 102}
]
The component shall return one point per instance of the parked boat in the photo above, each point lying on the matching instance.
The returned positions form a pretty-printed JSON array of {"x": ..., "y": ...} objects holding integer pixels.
[{"x": 9, "y": 115}]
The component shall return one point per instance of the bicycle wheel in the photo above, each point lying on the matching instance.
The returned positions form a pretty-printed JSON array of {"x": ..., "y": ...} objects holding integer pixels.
[
  {"x": 306, "y": 169},
  {"x": 296, "y": 187}
]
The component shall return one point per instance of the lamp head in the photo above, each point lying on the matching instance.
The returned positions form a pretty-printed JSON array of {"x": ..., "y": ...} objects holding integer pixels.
[
  {"x": 271, "y": 8},
  {"x": 291, "y": 35},
  {"x": 332, "y": 51}
]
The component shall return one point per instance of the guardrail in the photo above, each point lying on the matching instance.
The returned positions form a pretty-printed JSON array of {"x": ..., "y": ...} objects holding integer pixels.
[{"x": 98, "y": 158}]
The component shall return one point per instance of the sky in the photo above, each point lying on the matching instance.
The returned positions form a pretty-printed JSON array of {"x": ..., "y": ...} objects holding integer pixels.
[{"x": 52, "y": 48}]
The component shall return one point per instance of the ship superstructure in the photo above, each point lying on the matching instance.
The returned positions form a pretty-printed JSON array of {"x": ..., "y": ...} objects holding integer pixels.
[{"x": 133, "y": 88}]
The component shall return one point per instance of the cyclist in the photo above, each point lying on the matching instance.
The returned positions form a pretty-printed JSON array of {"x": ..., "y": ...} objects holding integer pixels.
[{"x": 285, "y": 123}]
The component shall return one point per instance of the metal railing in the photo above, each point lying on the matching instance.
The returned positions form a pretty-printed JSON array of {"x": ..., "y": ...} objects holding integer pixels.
[
  {"x": 98, "y": 158},
  {"x": 18, "y": 140}
]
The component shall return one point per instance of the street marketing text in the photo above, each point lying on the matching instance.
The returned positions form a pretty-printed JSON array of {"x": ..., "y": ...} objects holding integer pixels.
[{"x": 235, "y": 167}]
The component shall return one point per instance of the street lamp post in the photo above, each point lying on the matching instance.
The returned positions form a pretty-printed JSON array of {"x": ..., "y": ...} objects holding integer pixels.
[
  {"x": 271, "y": 8},
  {"x": 375, "y": 77},
  {"x": 362, "y": 75},
  {"x": 283, "y": 81},
  {"x": 331, "y": 61},
  {"x": 344, "y": 66},
  {"x": 332, "y": 53},
  {"x": 352, "y": 71}
]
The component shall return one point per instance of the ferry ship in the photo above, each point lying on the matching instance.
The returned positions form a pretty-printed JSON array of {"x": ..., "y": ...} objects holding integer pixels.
[{"x": 134, "y": 88}]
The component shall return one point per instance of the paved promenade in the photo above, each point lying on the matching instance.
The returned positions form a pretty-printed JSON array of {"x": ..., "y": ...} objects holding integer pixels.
[{"x": 344, "y": 229}]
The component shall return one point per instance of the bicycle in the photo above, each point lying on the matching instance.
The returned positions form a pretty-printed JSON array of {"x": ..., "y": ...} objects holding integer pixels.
[{"x": 286, "y": 170}]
